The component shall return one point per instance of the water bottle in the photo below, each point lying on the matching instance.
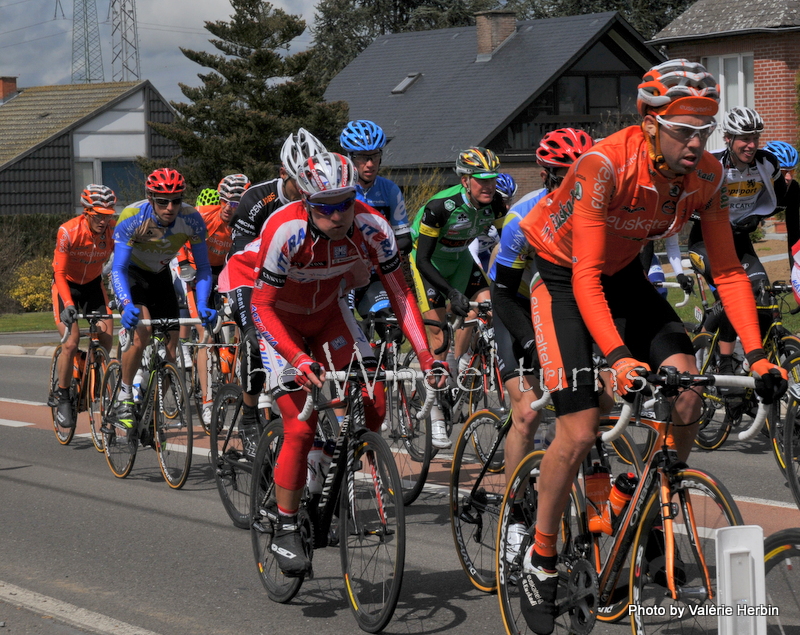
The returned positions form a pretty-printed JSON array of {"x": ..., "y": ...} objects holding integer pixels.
[
  {"x": 618, "y": 500},
  {"x": 327, "y": 456},
  {"x": 314, "y": 478},
  {"x": 597, "y": 483},
  {"x": 137, "y": 385},
  {"x": 545, "y": 434},
  {"x": 78, "y": 364}
]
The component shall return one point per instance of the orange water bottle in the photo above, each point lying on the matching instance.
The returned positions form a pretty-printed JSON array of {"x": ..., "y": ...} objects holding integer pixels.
[
  {"x": 597, "y": 484},
  {"x": 78, "y": 363},
  {"x": 618, "y": 499}
]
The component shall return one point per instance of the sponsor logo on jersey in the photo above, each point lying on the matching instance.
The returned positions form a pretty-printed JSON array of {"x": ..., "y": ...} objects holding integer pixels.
[
  {"x": 705, "y": 176},
  {"x": 565, "y": 209},
  {"x": 338, "y": 342},
  {"x": 340, "y": 251},
  {"x": 668, "y": 208},
  {"x": 449, "y": 205}
]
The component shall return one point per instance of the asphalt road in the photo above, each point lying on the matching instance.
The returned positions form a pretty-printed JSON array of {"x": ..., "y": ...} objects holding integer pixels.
[{"x": 133, "y": 556}]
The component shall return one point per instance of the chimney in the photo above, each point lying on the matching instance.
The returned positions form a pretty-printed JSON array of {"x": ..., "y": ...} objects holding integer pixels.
[
  {"x": 494, "y": 28},
  {"x": 8, "y": 88}
]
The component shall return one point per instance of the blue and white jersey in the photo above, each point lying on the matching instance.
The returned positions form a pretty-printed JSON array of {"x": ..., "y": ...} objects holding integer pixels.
[
  {"x": 515, "y": 251},
  {"x": 386, "y": 197}
]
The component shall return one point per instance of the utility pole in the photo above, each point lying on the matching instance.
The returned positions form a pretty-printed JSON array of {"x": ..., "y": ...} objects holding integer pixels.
[
  {"x": 124, "y": 41},
  {"x": 87, "y": 59}
]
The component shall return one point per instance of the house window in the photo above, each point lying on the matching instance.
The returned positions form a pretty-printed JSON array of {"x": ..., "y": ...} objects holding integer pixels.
[
  {"x": 735, "y": 76},
  {"x": 126, "y": 179}
]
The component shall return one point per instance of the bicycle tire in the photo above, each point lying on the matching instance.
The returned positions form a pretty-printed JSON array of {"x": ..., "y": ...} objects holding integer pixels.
[
  {"x": 711, "y": 506},
  {"x": 192, "y": 380},
  {"x": 408, "y": 438},
  {"x": 372, "y": 532},
  {"x": 791, "y": 445},
  {"x": 279, "y": 588},
  {"x": 119, "y": 447},
  {"x": 473, "y": 519},
  {"x": 485, "y": 387},
  {"x": 63, "y": 435},
  {"x": 712, "y": 431},
  {"x": 173, "y": 433},
  {"x": 232, "y": 469},
  {"x": 781, "y": 559},
  {"x": 94, "y": 394},
  {"x": 789, "y": 358}
]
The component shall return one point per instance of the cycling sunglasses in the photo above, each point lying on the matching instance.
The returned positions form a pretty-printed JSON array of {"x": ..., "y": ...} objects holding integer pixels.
[
  {"x": 685, "y": 132},
  {"x": 328, "y": 210},
  {"x": 231, "y": 204},
  {"x": 164, "y": 202}
]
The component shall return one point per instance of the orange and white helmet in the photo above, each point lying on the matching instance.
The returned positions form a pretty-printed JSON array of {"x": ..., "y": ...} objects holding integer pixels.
[
  {"x": 98, "y": 199},
  {"x": 232, "y": 187},
  {"x": 678, "y": 87}
]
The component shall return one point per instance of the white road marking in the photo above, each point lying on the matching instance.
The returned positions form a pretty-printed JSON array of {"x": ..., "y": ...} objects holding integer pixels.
[{"x": 14, "y": 424}]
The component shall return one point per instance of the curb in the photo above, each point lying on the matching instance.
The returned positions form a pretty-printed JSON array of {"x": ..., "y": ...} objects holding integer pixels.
[{"x": 10, "y": 349}]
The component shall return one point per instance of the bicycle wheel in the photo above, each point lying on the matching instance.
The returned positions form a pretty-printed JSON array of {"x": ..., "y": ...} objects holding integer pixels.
[
  {"x": 94, "y": 397},
  {"x": 280, "y": 588},
  {"x": 789, "y": 358},
  {"x": 173, "y": 426},
  {"x": 781, "y": 559},
  {"x": 791, "y": 444},
  {"x": 64, "y": 435},
  {"x": 485, "y": 390},
  {"x": 475, "y": 497},
  {"x": 372, "y": 528},
  {"x": 715, "y": 426},
  {"x": 191, "y": 377},
  {"x": 119, "y": 447},
  {"x": 695, "y": 496},
  {"x": 408, "y": 438},
  {"x": 232, "y": 469}
]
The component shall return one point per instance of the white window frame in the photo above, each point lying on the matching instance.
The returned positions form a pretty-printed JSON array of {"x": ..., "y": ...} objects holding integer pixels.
[{"x": 743, "y": 98}]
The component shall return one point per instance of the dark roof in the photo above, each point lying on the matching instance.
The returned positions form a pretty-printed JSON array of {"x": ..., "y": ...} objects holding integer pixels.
[
  {"x": 37, "y": 114},
  {"x": 707, "y": 18},
  {"x": 458, "y": 102}
]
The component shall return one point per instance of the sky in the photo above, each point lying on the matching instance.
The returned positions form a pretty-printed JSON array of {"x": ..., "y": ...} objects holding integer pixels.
[{"x": 36, "y": 39}]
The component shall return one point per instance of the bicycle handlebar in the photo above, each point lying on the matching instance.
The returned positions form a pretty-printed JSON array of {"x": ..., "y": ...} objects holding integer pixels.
[
  {"x": 379, "y": 375},
  {"x": 481, "y": 307},
  {"x": 542, "y": 402},
  {"x": 125, "y": 339},
  {"x": 673, "y": 285}
]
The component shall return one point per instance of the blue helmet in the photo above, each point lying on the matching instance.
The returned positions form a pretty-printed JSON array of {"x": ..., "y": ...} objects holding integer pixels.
[
  {"x": 362, "y": 136},
  {"x": 506, "y": 185},
  {"x": 786, "y": 154}
]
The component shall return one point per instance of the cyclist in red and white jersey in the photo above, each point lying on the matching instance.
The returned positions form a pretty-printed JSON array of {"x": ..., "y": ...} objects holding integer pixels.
[
  {"x": 310, "y": 254},
  {"x": 641, "y": 183},
  {"x": 83, "y": 246}
]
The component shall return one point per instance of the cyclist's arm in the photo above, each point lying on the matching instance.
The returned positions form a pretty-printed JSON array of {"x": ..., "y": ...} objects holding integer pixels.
[
  {"x": 404, "y": 243},
  {"x": 674, "y": 253},
  {"x": 424, "y": 261},
  {"x": 398, "y": 219},
  {"x": 404, "y": 304},
  {"x": 119, "y": 274},
  {"x": 60, "y": 266},
  {"x": 203, "y": 282},
  {"x": 504, "y": 290}
]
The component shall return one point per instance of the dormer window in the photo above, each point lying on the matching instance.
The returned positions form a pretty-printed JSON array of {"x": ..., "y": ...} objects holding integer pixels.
[{"x": 406, "y": 83}]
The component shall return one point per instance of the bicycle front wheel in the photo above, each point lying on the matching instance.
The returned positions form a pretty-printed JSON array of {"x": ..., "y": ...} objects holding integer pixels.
[
  {"x": 280, "y": 588},
  {"x": 715, "y": 423},
  {"x": 776, "y": 420},
  {"x": 173, "y": 426},
  {"x": 64, "y": 435},
  {"x": 781, "y": 560},
  {"x": 94, "y": 397},
  {"x": 119, "y": 445},
  {"x": 699, "y": 504},
  {"x": 475, "y": 496},
  {"x": 408, "y": 437},
  {"x": 232, "y": 469},
  {"x": 372, "y": 531}
]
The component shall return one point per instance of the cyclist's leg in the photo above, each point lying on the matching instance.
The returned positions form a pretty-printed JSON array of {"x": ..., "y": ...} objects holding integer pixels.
[{"x": 64, "y": 410}]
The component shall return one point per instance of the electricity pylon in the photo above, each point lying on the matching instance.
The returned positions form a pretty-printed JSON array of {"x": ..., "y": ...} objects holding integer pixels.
[
  {"x": 87, "y": 59},
  {"x": 124, "y": 41}
]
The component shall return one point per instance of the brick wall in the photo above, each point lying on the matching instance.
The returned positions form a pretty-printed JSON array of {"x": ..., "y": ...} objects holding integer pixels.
[{"x": 776, "y": 62}]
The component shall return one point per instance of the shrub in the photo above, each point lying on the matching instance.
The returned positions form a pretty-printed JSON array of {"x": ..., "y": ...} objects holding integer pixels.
[{"x": 33, "y": 284}]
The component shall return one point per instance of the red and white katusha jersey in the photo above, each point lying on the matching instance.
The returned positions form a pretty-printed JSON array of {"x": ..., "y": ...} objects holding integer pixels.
[{"x": 312, "y": 270}]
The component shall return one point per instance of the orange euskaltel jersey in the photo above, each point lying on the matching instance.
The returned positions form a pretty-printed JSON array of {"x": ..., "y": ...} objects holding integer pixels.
[
  {"x": 218, "y": 238},
  {"x": 80, "y": 255},
  {"x": 610, "y": 202}
]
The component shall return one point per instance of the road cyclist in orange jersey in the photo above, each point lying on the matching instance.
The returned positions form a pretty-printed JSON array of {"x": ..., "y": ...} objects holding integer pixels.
[
  {"x": 83, "y": 245},
  {"x": 309, "y": 255},
  {"x": 217, "y": 219},
  {"x": 641, "y": 183}
]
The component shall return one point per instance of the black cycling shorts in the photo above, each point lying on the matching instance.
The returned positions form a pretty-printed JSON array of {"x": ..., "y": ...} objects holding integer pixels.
[
  {"x": 510, "y": 352},
  {"x": 155, "y": 291},
  {"x": 89, "y": 297}
]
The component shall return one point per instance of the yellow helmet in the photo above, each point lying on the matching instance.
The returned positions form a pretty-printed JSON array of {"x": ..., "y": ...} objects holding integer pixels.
[{"x": 478, "y": 162}]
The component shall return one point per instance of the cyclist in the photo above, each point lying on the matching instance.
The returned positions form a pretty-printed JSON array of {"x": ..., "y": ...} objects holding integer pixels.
[
  {"x": 309, "y": 254},
  {"x": 481, "y": 248},
  {"x": 218, "y": 239},
  {"x": 255, "y": 207},
  {"x": 149, "y": 234},
  {"x": 441, "y": 265},
  {"x": 755, "y": 185},
  {"x": 83, "y": 245},
  {"x": 511, "y": 276},
  {"x": 790, "y": 202},
  {"x": 639, "y": 184}
]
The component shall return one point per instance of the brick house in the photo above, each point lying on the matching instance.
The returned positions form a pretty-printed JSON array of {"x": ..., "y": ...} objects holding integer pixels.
[{"x": 753, "y": 48}]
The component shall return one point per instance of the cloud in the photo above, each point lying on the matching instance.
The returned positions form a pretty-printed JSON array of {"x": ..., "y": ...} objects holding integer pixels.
[{"x": 36, "y": 42}]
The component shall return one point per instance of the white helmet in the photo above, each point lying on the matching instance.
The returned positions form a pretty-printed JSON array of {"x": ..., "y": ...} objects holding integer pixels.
[
  {"x": 325, "y": 175},
  {"x": 741, "y": 120},
  {"x": 297, "y": 149}
]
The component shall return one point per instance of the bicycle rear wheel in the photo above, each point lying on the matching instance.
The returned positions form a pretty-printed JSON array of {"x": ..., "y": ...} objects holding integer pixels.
[
  {"x": 372, "y": 532},
  {"x": 408, "y": 438},
  {"x": 715, "y": 422},
  {"x": 476, "y": 495},
  {"x": 791, "y": 444},
  {"x": 64, "y": 435},
  {"x": 119, "y": 444},
  {"x": 232, "y": 469},
  {"x": 173, "y": 426},
  {"x": 94, "y": 397},
  {"x": 781, "y": 566},
  {"x": 694, "y": 495},
  {"x": 280, "y": 588},
  {"x": 776, "y": 420}
]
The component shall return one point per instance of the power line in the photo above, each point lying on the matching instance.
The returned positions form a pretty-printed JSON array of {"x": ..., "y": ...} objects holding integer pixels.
[
  {"x": 44, "y": 37},
  {"x": 22, "y": 28}
]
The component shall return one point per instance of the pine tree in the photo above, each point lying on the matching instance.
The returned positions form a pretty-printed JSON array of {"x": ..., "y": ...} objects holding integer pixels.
[{"x": 254, "y": 96}]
